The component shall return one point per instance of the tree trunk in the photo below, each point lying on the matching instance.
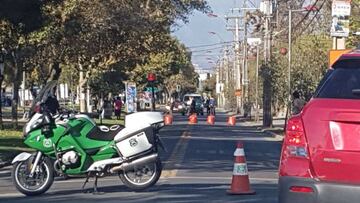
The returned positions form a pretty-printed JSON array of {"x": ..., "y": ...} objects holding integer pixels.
[
  {"x": 15, "y": 91},
  {"x": 55, "y": 71},
  {"x": 81, "y": 95}
]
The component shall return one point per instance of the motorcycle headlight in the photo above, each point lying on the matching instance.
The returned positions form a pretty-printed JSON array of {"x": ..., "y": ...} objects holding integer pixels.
[{"x": 180, "y": 107}]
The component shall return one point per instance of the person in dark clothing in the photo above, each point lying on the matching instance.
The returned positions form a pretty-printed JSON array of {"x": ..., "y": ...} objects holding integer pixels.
[
  {"x": 117, "y": 107},
  {"x": 207, "y": 105},
  {"x": 192, "y": 106},
  {"x": 298, "y": 103},
  {"x": 52, "y": 104}
]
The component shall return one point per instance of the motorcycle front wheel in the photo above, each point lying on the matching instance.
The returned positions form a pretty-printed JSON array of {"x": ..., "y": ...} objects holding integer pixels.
[
  {"x": 142, "y": 177},
  {"x": 39, "y": 183}
]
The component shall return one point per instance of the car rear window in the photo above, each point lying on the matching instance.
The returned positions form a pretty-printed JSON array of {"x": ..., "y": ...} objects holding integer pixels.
[{"x": 340, "y": 84}]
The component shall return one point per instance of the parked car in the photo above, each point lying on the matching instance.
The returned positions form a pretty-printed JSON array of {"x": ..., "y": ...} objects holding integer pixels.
[
  {"x": 320, "y": 157},
  {"x": 199, "y": 105}
]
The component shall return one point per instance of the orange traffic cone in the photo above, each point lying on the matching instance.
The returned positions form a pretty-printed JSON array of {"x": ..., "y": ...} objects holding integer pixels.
[
  {"x": 193, "y": 119},
  {"x": 240, "y": 184},
  {"x": 210, "y": 119},
  {"x": 168, "y": 119},
  {"x": 232, "y": 120}
]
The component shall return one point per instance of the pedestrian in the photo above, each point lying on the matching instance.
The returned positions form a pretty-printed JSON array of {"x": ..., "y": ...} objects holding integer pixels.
[
  {"x": 51, "y": 103},
  {"x": 103, "y": 108},
  {"x": 95, "y": 102},
  {"x": 172, "y": 105},
  {"x": 298, "y": 103},
  {"x": 117, "y": 107},
  {"x": 192, "y": 106},
  {"x": 207, "y": 105},
  {"x": 212, "y": 104}
]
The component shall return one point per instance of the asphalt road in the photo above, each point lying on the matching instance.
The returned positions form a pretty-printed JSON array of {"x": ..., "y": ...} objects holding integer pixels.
[{"x": 197, "y": 168}]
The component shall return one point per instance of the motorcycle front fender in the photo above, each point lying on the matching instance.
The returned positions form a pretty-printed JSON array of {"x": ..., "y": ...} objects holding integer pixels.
[{"x": 21, "y": 157}]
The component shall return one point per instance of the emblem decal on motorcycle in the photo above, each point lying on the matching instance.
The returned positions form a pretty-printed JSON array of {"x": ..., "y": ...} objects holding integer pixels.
[
  {"x": 47, "y": 143},
  {"x": 133, "y": 142}
]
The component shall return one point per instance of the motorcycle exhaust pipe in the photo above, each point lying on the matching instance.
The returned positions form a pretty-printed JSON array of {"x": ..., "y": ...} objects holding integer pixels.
[
  {"x": 130, "y": 165},
  {"x": 57, "y": 167}
]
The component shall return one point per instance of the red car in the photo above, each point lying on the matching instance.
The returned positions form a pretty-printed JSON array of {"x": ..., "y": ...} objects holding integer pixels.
[{"x": 320, "y": 159}]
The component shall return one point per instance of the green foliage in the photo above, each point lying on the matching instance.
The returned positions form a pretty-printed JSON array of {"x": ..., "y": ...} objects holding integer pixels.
[
  {"x": 353, "y": 40},
  {"x": 210, "y": 85},
  {"x": 229, "y": 93},
  {"x": 112, "y": 40},
  {"x": 309, "y": 63},
  {"x": 103, "y": 83}
]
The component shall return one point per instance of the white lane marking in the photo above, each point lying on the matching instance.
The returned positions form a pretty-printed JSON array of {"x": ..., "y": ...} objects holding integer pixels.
[
  {"x": 12, "y": 195},
  {"x": 5, "y": 172}
]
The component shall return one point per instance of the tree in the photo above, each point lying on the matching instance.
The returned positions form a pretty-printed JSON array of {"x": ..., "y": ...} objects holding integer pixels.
[
  {"x": 92, "y": 37},
  {"x": 353, "y": 40}
]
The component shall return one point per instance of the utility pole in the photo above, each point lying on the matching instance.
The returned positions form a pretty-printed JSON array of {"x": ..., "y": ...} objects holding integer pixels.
[
  {"x": 237, "y": 71},
  {"x": 237, "y": 61},
  {"x": 267, "y": 86},
  {"x": 242, "y": 80},
  {"x": 245, "y": 81}
]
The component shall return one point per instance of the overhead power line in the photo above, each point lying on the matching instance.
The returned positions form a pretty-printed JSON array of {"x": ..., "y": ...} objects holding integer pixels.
[
  {"x": 210, "y": 49},
  {"x": 307, "y": 14},
  {"x": 209, "y": 45},
  {"x": 313, "y": 18}
]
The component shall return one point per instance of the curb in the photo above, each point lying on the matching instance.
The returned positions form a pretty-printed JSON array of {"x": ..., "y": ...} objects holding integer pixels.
[{"x": 274, "y": 135}]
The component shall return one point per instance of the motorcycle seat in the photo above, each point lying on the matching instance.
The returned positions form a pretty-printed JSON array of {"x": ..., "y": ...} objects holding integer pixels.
[{"x": 103, "y": 133}]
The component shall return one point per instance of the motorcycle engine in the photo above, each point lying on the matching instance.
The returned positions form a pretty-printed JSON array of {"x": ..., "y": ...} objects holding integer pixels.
[{"x": 70, "y": 158}]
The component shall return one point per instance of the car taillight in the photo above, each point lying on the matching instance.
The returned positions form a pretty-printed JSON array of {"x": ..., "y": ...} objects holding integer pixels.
[
  {"x": 295, "y": 155},
  {"x": 295, "y": 141}
]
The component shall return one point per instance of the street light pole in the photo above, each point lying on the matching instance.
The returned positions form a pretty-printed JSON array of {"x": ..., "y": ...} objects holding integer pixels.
[
  {"x": 309, "y": 8},
  {"x": 237, "y": 59},
  {"x": 289, "y": 57}
]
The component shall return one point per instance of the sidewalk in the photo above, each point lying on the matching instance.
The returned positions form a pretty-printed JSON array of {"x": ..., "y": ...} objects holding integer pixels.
[{"x": 277, "y": 130}]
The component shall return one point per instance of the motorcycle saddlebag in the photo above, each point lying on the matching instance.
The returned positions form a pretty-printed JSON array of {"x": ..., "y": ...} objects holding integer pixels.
[{"x": 136, "y": 143}]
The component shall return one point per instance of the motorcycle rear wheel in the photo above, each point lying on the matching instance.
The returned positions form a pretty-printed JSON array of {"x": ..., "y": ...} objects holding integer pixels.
[{"x": 136, "y": 179}]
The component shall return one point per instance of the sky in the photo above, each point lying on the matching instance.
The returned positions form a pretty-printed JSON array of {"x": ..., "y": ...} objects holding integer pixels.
[{"x": 197, "y": 32}]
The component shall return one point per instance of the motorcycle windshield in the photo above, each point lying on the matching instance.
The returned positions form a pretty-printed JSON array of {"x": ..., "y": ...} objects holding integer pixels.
[{"x": 44, "y": 93}]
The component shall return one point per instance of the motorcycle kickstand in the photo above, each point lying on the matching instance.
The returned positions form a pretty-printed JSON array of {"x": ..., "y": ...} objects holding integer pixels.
[
  {"x": 86, "y": 181},
  {"x": 96, "y": 192}
]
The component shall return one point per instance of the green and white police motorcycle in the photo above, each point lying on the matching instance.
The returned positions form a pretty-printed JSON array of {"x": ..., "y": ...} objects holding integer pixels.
[{"x": 72, "y": 144}]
